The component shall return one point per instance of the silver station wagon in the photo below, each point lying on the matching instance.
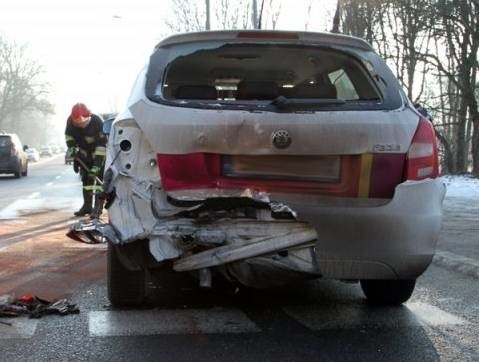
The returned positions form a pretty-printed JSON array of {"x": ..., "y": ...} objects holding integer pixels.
[{"x": 268, "y": 157}]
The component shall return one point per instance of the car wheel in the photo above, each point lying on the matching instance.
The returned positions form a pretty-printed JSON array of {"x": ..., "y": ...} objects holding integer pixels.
[
  {"x": 125, "y": 287},
  {"x": 18, "y": 171},
  {"x": 25, "y": 173},
  {"x": 388, "y": 292}
]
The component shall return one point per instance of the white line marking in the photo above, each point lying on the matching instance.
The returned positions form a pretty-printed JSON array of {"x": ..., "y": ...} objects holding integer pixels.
[
  {"x": 21, "y": 327},
  {"x": 187, "y": 321},
  {"x": 354, "y": 316},
  {"x": 56, "y": 178},
  {"x": 434, "y": 316},
  {"x": 50, "y": 183},
  {"x": 459, "y": 263}
]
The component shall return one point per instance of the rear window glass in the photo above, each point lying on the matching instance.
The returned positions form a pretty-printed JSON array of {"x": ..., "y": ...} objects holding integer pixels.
[
  {"x": 5, "y": 141},
  {"x": 260, "y": 73}
]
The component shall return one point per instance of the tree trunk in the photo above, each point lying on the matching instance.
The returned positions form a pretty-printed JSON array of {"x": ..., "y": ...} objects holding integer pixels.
[
  {"x": 254, "y": 14},
  {"x": 447, "y": 161},
  {"x": 474, "y": 112},
  {"x": 207, "y": 25},
  {"x": 337, "y": 17},
  {"x": 460, "y": 139}
]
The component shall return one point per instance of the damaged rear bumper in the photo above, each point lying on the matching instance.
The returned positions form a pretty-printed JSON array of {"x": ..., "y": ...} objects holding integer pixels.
[
  {"x": 261, "y": 243},
  {"x": 255, "y": 242}
]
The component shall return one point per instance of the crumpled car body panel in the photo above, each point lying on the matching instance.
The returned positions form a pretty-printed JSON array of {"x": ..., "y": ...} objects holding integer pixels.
[{"x": 260, "y": 235}]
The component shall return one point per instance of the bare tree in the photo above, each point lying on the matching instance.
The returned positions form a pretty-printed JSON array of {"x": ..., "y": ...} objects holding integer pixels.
[
  {"x": 457, "y": 26},
  {"x": 21, "y": 89},
  {"x": 232, "y": 14},
  {"x": 308, "y": 15},
  {"x": 188, "y": 16},
  {"x": 337, "y": 17},
  {"x": 270, "y": 14},
  {"x": 191, "y": 16},
  {"x": 208, "y": 12}
]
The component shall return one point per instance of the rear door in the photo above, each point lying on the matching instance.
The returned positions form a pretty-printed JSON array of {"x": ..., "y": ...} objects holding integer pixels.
[{"x": 279, "y": 118}]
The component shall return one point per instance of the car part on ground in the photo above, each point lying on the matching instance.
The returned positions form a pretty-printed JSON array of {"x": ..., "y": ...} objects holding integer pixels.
[
  {"x": 35, "y": 307},
  {"x": 237, "y": 146}
]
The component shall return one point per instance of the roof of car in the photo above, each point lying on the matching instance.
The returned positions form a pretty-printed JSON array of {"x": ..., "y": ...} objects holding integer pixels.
[{"x": 267, "y": 36}]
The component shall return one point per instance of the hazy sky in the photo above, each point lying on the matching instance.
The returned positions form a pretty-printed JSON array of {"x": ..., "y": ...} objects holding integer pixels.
[{"x": 92, "y": 50}]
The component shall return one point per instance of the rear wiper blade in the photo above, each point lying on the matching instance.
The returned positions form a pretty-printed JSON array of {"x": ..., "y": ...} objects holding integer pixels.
[{"x": 283, "y": 102}]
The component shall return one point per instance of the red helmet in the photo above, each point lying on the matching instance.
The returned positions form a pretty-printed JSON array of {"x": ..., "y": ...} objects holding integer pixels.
[{"x": 80, "y": 110}]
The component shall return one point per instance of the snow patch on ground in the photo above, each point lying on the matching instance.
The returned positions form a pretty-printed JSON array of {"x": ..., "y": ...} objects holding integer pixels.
[
  {"x": 461, "y": 186},
  {"x": 36, "y": 202}
]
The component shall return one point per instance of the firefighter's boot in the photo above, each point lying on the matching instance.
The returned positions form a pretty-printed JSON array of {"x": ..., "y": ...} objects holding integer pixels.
[
  {"x": 86, "y": 207},
  {"x": 98, "y": 208}
]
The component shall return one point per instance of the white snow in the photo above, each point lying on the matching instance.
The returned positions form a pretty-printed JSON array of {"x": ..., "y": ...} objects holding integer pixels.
[
  {"x": 461, "y": 186},
  {"x": 34, "y": 202}
]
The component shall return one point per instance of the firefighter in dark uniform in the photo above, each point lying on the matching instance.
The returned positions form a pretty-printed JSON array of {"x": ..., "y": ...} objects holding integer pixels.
[{"x": 86, "y": 141}]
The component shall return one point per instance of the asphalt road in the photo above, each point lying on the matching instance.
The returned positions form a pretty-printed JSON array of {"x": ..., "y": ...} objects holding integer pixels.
[
  {"x": 317, "y": 320},
  {"x": 49, "y": 179}
]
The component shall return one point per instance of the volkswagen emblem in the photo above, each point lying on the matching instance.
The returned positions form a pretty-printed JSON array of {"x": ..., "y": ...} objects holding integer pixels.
[{"x": 281, "y": 139}]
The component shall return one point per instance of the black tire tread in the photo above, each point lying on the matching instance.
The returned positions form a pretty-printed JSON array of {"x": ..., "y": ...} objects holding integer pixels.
[
  {"x": 388, "y": 292},
  {"x": 125, "y": 287}
]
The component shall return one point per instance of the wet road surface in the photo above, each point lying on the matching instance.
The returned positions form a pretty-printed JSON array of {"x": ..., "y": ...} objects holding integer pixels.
[{"x": 317, "y": 320}]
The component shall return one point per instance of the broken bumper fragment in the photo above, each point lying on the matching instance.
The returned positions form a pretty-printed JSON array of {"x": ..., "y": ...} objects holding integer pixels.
[{"x": 246, "y": 239}]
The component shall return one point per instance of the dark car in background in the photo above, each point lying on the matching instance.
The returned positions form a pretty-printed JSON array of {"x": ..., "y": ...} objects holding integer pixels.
[
  {"x": 13, "y": 158},
  {"x": 46, "y": 151}
]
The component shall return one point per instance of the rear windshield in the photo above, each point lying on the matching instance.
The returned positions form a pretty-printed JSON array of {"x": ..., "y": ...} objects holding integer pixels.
[
  {"x": 5, "y": 141},
  {"x": 263, "y": 75}
]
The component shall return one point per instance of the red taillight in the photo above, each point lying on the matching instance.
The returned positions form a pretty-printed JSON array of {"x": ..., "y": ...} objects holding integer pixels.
[
  {"x": 194, "y": 170},
  {"x": 422, "y": 158},
  {"x": 386, "y": 174},
  {"x": 13, "y": 150}
]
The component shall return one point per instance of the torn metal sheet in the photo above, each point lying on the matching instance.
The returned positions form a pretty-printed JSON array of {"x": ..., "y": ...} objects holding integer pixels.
[
  {"x": 88, "y": 231},
  {"x": 275, "y": 269},
  {"x": 244, "y": 250}
]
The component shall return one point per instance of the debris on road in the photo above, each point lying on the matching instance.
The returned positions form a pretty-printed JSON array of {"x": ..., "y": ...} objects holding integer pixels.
[
  {"x": 87, "y": 231},
  {"x": 34, "y": 307}
]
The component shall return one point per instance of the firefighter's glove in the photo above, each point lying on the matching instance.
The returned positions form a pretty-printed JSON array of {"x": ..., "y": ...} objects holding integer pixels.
[
  {"x": 72, "y": 152},
  {"x": 95, "y": 170}
]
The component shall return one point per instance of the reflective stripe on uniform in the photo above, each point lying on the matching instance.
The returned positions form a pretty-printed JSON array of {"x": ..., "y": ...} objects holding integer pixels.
[
  {"x": 69, "y": 138},
  {"x": 93, "y": 188},
  {"x": 100, "y": 151},
  {"x": 89, "y": 139}
]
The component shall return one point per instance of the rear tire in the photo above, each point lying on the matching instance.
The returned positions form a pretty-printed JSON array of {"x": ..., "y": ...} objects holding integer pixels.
[
  {"x": 388, "y": 292},
  {"x": 18, "y": 171},
  {"x": 26, "y": 171},
  {"x": 125, "y": 287}
]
